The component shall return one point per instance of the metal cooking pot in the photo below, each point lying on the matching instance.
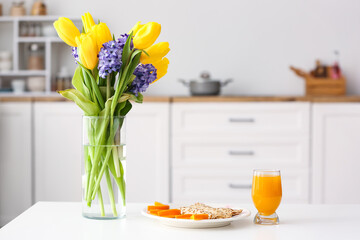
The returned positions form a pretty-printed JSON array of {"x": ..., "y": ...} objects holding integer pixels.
[{"x": 205, "y": 86}]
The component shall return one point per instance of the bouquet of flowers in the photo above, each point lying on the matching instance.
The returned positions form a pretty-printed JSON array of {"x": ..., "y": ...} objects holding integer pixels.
[{"x": 111, "y": 72}]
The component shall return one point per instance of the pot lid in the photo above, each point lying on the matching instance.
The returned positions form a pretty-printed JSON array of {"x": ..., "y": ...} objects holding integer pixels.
[{"x": 205, "y": 77}]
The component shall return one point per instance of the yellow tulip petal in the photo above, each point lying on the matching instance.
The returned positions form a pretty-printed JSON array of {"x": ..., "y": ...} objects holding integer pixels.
[
  {"x": 61, "y": 35},
  {"x": 102, "y": 33},
  {"x": 136, "y": 28},
  {"x": 156, "y": 53},
  {"x": 67, "y": 31},
  {"x": 88, "y": 50},
  {"x": 88, "y": 21},
  {"x": 147, "y": 35},
  {"x": 161, "y": 68}
]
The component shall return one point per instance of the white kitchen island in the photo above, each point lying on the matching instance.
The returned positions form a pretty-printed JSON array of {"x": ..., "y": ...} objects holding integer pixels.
[{"x": 55, "y": 220}]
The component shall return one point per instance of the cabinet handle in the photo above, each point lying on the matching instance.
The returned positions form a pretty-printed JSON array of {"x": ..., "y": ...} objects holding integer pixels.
[
  {"x": 240, "y": 186},
  {"x": 242, "y": 120},
  {"x": 241, "y": 153}
]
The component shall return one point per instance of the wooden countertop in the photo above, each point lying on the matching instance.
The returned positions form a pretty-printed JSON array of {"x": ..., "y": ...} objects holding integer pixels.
[
  {"x": 241, "y": 99},
  {"x": 185, "y": 99},
  {"x": 55, "y": 98}
]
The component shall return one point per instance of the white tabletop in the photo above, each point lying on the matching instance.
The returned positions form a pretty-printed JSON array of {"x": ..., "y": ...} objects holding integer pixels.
[{"x": 55, "y": 220}]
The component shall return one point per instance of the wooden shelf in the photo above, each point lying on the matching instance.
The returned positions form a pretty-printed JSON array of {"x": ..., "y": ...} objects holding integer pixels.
[
  {"x": 6, "y": 19},
  {"x": 34, "y": 18},
  {"x": 23, "y": 73},
  {"x": 39, "y": 39}
]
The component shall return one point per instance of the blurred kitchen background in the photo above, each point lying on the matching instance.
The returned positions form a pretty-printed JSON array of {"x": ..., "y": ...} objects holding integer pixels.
[{"x": 182, "y": 148}]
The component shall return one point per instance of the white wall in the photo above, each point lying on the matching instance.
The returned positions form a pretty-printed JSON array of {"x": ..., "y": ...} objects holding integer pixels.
[{"x": 252, "y": 41}]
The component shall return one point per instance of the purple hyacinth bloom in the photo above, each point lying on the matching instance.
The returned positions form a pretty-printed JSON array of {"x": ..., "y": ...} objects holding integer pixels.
[
  {"x": 122, "y": 40},
  {"x": 145, "y": 74},
  {"x": 75, "y": 54},
  {"x": 110, "y": 58}
]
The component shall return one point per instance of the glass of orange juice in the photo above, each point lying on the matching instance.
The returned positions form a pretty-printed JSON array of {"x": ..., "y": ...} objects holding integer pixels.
[{"x": 266, "y": 194}]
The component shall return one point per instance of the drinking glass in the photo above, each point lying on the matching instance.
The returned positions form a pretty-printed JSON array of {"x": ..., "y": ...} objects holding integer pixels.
[{"x": 266, "y": 194}]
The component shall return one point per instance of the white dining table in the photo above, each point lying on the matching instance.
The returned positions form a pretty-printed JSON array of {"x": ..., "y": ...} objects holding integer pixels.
[{"x": 63, "y": 220}]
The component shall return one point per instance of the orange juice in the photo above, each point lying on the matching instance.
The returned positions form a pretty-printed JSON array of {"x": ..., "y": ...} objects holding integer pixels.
[{"x": 266, "y": 193}]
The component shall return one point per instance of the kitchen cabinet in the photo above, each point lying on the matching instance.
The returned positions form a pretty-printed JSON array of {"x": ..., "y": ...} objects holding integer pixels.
[
  {"x": 58, "y": 149},
  {"x": 148, "y": 152},
  {"x": 335, "y": 153},
  {"x": 215, "y": 147},
  {"x": 15, "y": 160}
]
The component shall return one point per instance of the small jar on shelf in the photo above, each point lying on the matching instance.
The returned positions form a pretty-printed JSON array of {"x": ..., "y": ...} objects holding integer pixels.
[
  {"x": 62, "y": 80},
  {"x": 36, "y": 57},
  {"x": 5, "y": 61}
]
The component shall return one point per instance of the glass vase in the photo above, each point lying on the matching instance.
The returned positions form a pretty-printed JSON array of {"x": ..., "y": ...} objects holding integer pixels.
[{"x": 104, "y": 167}]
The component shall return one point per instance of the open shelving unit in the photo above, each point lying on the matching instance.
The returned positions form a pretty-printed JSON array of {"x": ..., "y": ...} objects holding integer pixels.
[{"x": 56, "y": 53}]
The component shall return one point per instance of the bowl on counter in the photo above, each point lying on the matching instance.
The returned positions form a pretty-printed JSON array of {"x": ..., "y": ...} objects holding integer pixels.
[{"x": 36, "y": 84}]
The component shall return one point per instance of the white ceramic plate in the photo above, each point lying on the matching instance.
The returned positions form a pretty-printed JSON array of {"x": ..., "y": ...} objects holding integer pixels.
[{"x": 187, "y": 223}]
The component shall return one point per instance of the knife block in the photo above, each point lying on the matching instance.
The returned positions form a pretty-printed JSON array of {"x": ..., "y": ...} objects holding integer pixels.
[{"x": 322, "y": 86}]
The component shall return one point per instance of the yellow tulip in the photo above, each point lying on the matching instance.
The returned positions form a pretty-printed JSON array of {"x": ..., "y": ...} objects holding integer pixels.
[
  {"x": 156, "y": 53},
  {"x": 147, "y": 35},
  {"x": 136, "y": 28},
  {"x": 87, "y": 49},
  {"x": 88, "y": 22},
  {"x": 67, "y": 31},
  {"x": 161, "y": 68},
  {"x": 102, "y": 33}
]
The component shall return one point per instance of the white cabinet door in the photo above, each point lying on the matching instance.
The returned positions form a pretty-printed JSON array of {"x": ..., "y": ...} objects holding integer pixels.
[
  {"x": 336, "y": 153},
  {"x": 57, "y": 153},
  {"x": 148, "y": 152},
  {"x": 256, "y": 118},
  {"x": 15, "y": 160}
]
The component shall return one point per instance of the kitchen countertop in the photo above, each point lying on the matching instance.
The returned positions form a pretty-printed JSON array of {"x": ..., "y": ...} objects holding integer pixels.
[
  {"x": 61, "y": 220},
  {"x": 57, "y": 98},
  {"x": 184, "y": 99},
  {"x": 265, "y": 99}
]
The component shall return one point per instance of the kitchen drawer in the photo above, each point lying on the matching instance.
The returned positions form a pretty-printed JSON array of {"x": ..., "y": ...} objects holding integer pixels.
[
  {"x": 238, "y": 118},
  {"x": 232, "y": 185},
  {"x": 254, "y": 152}
]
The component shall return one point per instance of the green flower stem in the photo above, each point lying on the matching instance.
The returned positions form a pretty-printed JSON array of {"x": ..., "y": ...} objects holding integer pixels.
[
  {"x": 108, "y": 87},
  {"x": 104, "y": 165},
  {"x": 120, "y": 181},
  {"x": 101, "y": 203},
  {"x": 100, "y": 174},
  {"x": 90, "y": 163},
  {"x": 97, "y": 156},
  {"x": 118, "y": 90},
  {"x": 116, "y": 161},
  {"x": 111, "y": 193},
  {"x": 87, "y": 171}
]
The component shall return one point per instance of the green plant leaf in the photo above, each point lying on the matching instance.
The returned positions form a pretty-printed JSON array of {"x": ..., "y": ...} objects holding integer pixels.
[
  {"x": 132, "y": 97},
  {"x": 103, "y": 91},
  {"x": 146, "y": 53},
  {"x": 126, "y": 51},
  {"x": 138, "y": 99},
  {"x": 94, "y": 86},
  {"x": 126, "y": 109},
  {"x": 89, "y": 107},
  {"x": 135, "y": 59},
  {"x": 78, "y": 83}
]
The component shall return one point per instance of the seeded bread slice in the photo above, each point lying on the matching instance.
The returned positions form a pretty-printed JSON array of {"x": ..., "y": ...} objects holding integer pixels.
[{"x": 214, "y": 213}]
